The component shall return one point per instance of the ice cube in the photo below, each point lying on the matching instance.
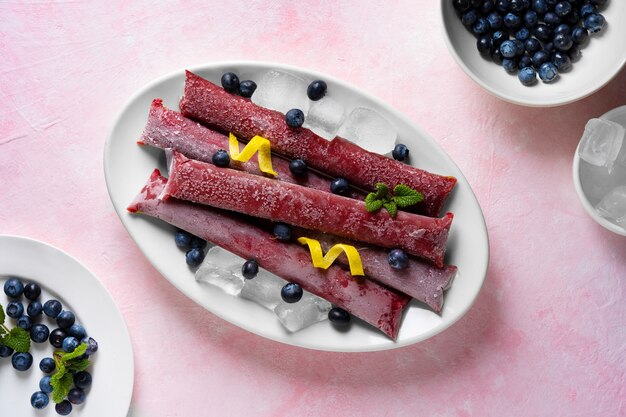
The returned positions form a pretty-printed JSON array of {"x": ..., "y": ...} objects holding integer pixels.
[
  {"x": 281, "y": 91},
  {"x": 601, "y": 142},
  {"x": 325, "y": 116},
  {"x": 309, "y": 310},
  {"x": 613, "y": 206},
  {"x": 222, "y": 269},
  {"x": 264, "y": 289},
  {"x": 370, "y": 130}
]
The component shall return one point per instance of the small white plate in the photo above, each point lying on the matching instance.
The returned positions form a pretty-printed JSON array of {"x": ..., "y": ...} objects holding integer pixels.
[
  {"x": 64, "y": 278},
  {"x": 581, "y": 170},
  {"x": 602, "y": 58},
  {"x": 128, "y": 166}
]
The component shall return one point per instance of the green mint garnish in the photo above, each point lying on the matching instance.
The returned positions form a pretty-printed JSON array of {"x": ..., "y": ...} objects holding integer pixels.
[
  {"x": 17, "y": 339},
  {"x": 61, "y": 382},
  {"x": 2, "y": 316},
  {"x": 66, "y": 363},
  {"x": 403, "y": 196}
]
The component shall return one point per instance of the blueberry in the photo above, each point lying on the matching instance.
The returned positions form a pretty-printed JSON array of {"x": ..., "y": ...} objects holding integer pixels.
[
  {"x": 486, "y": 7},
  {"x": 599, "y": 3},
  {"x": 39, "y": 400},
  {"x": 291, "y": 292},
  {"x": 24, "y": 322},
  {"x": 532, "y": 45},
  {"x": 340, "y": 186},
  {"x": 508, "y": 49},
  {"x": 563, "y": 42},
  {"x": 563, "y": 28},
  {"x": 339, "y": 316},
  {"x": 182, "y": 239},
  {"x": 65, "y": 319},
  {"x": 502, "y": 5},
  {"x": 47, "y": 365},
  {"x": 516, "y": 5},
  {"x": 63, "y": 408},
  {"x": 551, "y": 19},
  {"x": 22, "y": 361},
  {"x": 194, "y": 257},
  {"x": 34, "y": 309},
  {"x": 56, "y": 337},
  {"x": 14, "y": 309},
  {"x": 247, "y": 88},
  {"x": 594, "y": 22},
  {"x": 510, "y": 65},
  {"x": 39, "y": 333},
  {"x": 512, "y": 21},
  {"x": 540, "y": 6},
  {"x": 539, "y": 58},
  {"x": 400, "y": 152},
  {"x": 562, "y": 8},
  {"x": 496, "y": 57},
  {"x": 480, "y": 27},
  {"x": 574, "y": 53},
  {"x": 524, "y": 62},
  {"x": 548, "y": 72},
  {"x": 562, "y": 61},
  {"x": 77, "y": 330},
  {"x": 221, "y": 158},
  {"x": 70, "y": 344},
  {"x": 460, "y": 5},
  {"x": 52, "y": 308},
  {"x": 468, "y": 19},
  {"x": 294, "y": 118},
  {"x": 398, "y": 259},
  {"x": 230, "y": 82},
  {"x": 498, "y": 37},
  {"x": 519, "y": 47},
  {"x": 5, "y": 351},
  {"x": 13, "y": 288},
  {"x": 580, "y": 35},
  {"x": 282, "y": 232},
  {"x": 495, "y": 20},
  {"x": 198, "y": 243},
  {"x": 522, "y": 34},
  {"x": 76, "y": 396},
  {"x": 527, "y": 76},
  {"x": 249, "y": 269},
  {"x": 543, "y": 32},
  {"x": 32, "y": 291},
  {"x": 484, "y": 45},
  {"x": 317, "y": 89},
  {"x": 530, "y": 19},
  {"x": 44, "y": 384},
  {"x": 298, "y": 168},
  {"x": 82, "y": 379},
  {"x": 586, "y": 9},
  {"x": 92, "y": 345},
  {"x": 548, "y": 47}
]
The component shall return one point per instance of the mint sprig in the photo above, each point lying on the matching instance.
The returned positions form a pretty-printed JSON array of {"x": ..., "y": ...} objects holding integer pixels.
[
  {"x": 17, "y": 338},
  {"x": 66, "y": 363},
  {"x": 403, "y": 196}
]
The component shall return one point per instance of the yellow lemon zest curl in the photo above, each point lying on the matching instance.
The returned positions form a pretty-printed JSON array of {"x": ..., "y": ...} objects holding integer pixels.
[
  {"x": 324, "y": 261},
  {"x": 257, "y": 144}
]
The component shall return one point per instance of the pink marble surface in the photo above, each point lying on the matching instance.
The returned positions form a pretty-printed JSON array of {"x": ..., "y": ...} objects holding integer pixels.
[{"x": 545, "y": 337}]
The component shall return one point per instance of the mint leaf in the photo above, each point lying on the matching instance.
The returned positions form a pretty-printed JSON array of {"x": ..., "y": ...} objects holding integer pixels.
[
  {"x": 382, "y": 190},
  {"x": 17, "y": 339},
  {"x": 372, "y": 203},
  {"x": 392, "y": 208},
  {"x": 61, "y": 383},
  {"x": 2, "y": 316},
  {"x": 78, "y": 365},
  {"x": 405, "y": 196},
  {"x": 79, "y": 351}
]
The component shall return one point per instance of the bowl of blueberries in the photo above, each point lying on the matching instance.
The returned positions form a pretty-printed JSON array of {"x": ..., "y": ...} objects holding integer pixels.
[{"x": 538, "y": 53}]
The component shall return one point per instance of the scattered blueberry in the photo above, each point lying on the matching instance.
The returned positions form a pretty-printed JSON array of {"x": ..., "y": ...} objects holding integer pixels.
[
  {"x": 230, "y": 82},
  {"x": 512, "y": 21},
  {"x": 400, "y": 152},
  {"x": 484, "y": 44},
  {"x": 481, "y": 26},
  {"x": 563, "y": 42},
  {"x": 398, "y": 259},
  {"x": 298, "y": 168},
  {"x": 22, "y": 361},
  {"x": 182, "y": 239},
  {"x": 510, "y": 65},
  {"x": 282, "y": 232},
  {"x": 63, "y": 408},
  {"x": 540, "y": 6},
  {"x": 47, "y": 365},
  {"x": 580, "y": 35},
  {"x": 294, "y": 118},
  {"x": 497, "y": 38},
  {"x": 524, "y": 62},
  {"x": 14, "y": 309},
  {"x": 548, "y": 72},
  {"x": 65, "y": 319},
  {"x": 76, "y": 396},
  {"x": 34, "y": 309},
  {"x": 194, "y": 257},
  {"x": 539, "y": 58},
  {"x": 527, "y": 76},
  {"x": 562, "y": 61},
  {"x": 522, "y": 34},
  {"x": 508, "y": 49},
  {"x": 77, "y": 330},
  {"x": 52, "y": 308},
  {"x": 70, "y": 344},
  {"x": 532, "y": 45},
  {"x": 291, "y": 292},
  {"x": 249, "y": 269},
  {"x": 32, "y": 291},
  {"x": 495, "y": 20},
  {"x": 247, "y": 88},
  {"x": 221, "y": 158},
  {"x": 44, "y": 384},
  {"x": 92, "y": 345},
  {"x": 594, "y": 22},
  {"x": 586, "y": 9},
  {"x": 39, "y": 333},
  {"x": 563, "y": 8},
  {"x": 39, "y": 400},
  {"x": 563, "y": 28},
  {"x": 551, "y": 19},
  {"x": 24, "y": 322},
  {"x": 13, "y": 288},
  {"x": 340, "y": 186},
  {"x": 531, "y": 19},
  {"x": 339, "y": 316},
  {"x": 317, "y": 89},
  {"x": 56, "y": 338},
  {"x": 5, "y": 351},
  {"x": 468, "y": 19},
  {"x": 82, "y": 379}
]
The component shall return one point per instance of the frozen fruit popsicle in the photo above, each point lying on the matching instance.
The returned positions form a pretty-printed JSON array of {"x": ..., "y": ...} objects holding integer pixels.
[
  {"x": 167, "y": 129},
  {"x": 311, "y": 209},
  {"x": 373, "y": 303},
  {"x": 211, "y": 105}
]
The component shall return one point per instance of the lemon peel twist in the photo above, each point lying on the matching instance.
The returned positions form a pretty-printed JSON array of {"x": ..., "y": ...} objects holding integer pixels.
[
  {"x": 257, "y": 144},
  {"x": 324, "y": 261}
]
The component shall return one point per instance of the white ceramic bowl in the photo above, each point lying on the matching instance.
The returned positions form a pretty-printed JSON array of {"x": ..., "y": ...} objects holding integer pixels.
[
  {"x": 602, "y": 58},
  {"x": 581, "y": 169}
]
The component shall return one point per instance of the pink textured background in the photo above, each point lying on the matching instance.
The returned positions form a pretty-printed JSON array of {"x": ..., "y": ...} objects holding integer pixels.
[{"x": 545, "y": 337}]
